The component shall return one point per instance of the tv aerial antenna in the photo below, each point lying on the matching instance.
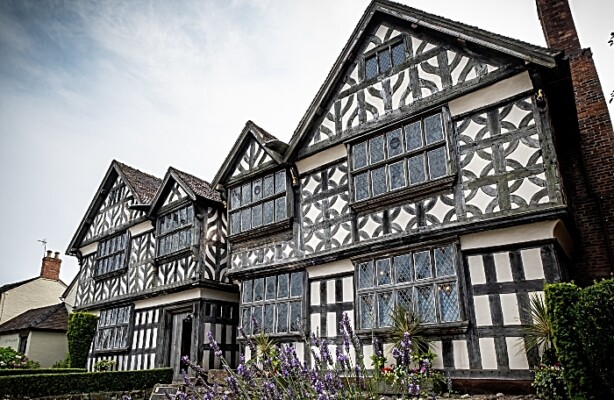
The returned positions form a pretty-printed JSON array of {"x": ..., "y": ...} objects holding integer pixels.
[{"x": 44, "y": 243}]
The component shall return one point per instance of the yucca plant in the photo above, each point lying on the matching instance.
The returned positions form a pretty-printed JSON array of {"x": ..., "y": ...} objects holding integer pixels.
[
  {"x": 538, "y": 335},
  {"x": 405, "y": 321}
]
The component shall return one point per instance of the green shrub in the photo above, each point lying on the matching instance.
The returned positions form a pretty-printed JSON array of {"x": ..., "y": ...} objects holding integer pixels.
[
  {"x": 63, "y": 363},
  {"x": 10, "y": 372},
  {"x": 549, "y": 383},
  {"x": 12, "y": 359},
  {"x": 89, "y": 382},
  {"x": 81, "y": 331}
]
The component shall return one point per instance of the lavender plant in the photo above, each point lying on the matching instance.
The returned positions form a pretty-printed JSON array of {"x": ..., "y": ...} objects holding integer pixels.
[{"x": 281, "y": 375}]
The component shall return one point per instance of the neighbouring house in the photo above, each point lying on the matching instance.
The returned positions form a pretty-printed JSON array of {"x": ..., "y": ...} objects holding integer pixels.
[
  {"x": 440, "y": 168},
  {"x": 44, "y": 290},
  {"x": 40, "y": 334},
  {"x": 152, "y": 258}
]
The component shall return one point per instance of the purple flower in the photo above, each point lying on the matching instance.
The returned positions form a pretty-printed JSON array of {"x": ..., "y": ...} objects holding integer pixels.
[{"x": 213, "y": 344}]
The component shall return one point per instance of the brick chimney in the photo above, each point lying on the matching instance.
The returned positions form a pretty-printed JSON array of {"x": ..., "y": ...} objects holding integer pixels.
[
  {"x": 588, "y": 164},
  {"x": 51, "y": 266}
]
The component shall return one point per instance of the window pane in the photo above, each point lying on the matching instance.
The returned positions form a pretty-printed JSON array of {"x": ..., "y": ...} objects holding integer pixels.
[
  {"x": 183, "y": 218},
  {"x": 433, "y": 129},
  {"x": 394, "y": 141},
  {"x": 402, "y": 268},
  {"x": 258, "y": 289},
  {"x": 384, "y": 276},
  {"x": 295, "y": 316},
  {"x": 280, "y": 182},
  {"x": 246, "y": 194},
  {"x": 359, "y": 155},
  {"x": 247, "y": 291},
  {"x": 384, "y": 60},
  {"x": 398, "y": 54},
  {"x": 235, "y": 222},
  {"x": 376, "y": 149},
  {"x": 268, "y": 187},
  {"x": 257, "y": 190},
  {"x": 417, "y": 173},
  {"x": 378, "y": 178},
  {"x": 190, "y": 214},
  {"x": 404, "y": 299},
  {"x": 257, "y": 319},
  {"x": 246, "y": 320},
  {"x": 385, "y": 305},
  {"x": 296, "y": 284},
  {"x": 396, "y": 173},
  {"x": 361, "y": 186},
  {"x": 268, "y": 213},
  {"x": 235, "y": 198},
  {"x": 437, "y": 162},
  {"x": 282, "y": 286},
  {"x": 413, "y": 136},
  {"x": 422, "y": 264},
  {"x": 444, "y": 261},
  {"x": 246, "y": 219},
  {"x": 370, "y": 67},
  {"x": 282, "y": 317},
  {"x": 280, "y": 208},
  {"x": 257, "y": 215},
  {"x": 448, "y": 302},
  {"x": 269, "y": 318},
  {"x": 367, "y": 313},
  {"x": 425, "y": 304},
  {"x": 365, "y": 275},
  {"x": 271, "y": 283}
]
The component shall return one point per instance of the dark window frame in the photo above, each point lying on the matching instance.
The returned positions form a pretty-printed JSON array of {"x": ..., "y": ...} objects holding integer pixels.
[
  {"x": 123, "y": 265},
  {"x": 102, "y": 326},
  {"x": 407, "y": 189},
  {"x": 187, "y": 227},
  {"x": 378, "y": 54},
  {"x": 436, "y": 283}
]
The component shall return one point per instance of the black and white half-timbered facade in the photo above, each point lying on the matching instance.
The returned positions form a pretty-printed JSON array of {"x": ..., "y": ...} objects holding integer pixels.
[
  {"x": 423, "y": 176},
  {"x": 153, "y": 267}
]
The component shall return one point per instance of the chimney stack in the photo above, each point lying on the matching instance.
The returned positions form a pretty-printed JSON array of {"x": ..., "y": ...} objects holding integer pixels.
[
  {"x": 51, "y": 266},
  {"x": 588, "y": 164}
]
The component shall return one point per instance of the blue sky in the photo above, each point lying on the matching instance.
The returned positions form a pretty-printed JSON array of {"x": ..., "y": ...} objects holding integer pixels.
[{"x": 159, "y": 83}]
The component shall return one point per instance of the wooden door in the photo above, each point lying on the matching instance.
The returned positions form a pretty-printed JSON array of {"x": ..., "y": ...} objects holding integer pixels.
[{"x": 181, "y": 342}]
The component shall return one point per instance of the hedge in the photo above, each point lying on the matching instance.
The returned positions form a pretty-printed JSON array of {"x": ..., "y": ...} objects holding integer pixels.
[
  {"x": 89, "y": 382},
  {"x": 582, "y": 323},
  {"x": 81, "y": 331},
  {"x": 6, "y": 372}
]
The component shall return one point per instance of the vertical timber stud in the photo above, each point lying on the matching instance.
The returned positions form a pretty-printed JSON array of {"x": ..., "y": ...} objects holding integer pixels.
[{"x": 588, "y": 169}]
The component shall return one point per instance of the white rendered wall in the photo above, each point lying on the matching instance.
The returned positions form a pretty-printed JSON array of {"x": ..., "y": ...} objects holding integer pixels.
[{"x": 38, "y": 293}]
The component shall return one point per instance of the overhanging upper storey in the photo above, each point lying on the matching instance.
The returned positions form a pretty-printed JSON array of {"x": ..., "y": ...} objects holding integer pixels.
[{"x": 401, "y": 62}]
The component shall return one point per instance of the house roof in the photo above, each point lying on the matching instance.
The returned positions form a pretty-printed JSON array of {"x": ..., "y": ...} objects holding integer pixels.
[
  {"x": 52, "y": 318},
  {"x": 200, "y": 187},
  {"x": 9, "y": 286},
  {"x": 271, "y": 145},
  {"x": 143, "y": 185},
  {"x": 512, "y": 47}
]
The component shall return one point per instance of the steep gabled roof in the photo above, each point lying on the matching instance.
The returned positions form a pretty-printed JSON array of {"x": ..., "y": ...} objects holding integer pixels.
[
  {"x": 142, "y": 185},
  {"x": 194, "y": 187},
  {"x": 274, "y": 147},
  {"x": 9, "y": 286},
  {"x": 54, "y": 318},
  {"x": 383, "y": 8}
]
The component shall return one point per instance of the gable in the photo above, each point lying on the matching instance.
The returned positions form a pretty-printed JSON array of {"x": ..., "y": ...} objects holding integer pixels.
[
  {"x": 114, "y": 211},
  {"x": 175, "y": 193},
  {"x": 252, "y": 157},
  {"x": 413, "y": 69}
]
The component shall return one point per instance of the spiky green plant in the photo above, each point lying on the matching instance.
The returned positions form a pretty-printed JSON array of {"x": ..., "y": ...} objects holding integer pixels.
[
  {"x": 538, "y": 335},
  {"x": 404, "y": 320}
]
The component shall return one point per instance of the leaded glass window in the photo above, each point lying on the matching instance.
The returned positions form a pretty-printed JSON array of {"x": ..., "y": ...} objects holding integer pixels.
[
  {"x": 175, "y": 231},
  {"x": 384, "y": 58},
  {"x": 111, "y": 255},
  {"x": 258, "y": 203},
  {"x": 404, "y": 157},
  {"x": 423, "y": 281},
  {"x": 113, "y": 329},
  {"x": 274, "y": 302}
]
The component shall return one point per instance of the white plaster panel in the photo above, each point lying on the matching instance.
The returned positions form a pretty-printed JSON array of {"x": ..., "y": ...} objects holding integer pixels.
[
  {"x": 437, "y": 349},
  {"x": 89, "y": 249},
  {"x": 330, "y": 291},
  {"x": 140, "y": 228},
  {"x": 516, "y": 353},
  {"x": 300, "y": 350},
  {"x": 476, "y": 270},
  {"x": 332, "y": 328},
  {"x": 314, "y": 293},
  {"x": 488, "y": 353},
  {"x": 482, "y": 310},
  {"x": 367, "y": 351},
  {"x": 532, "y": 264},
  {"x": 461, "y": 355},
  {"x": 314, "y": 323},
  {"x": 491, "y": 94},
  {"x": 503, "y": 267},
  {"x": 348, "y": 289},
  {"x": 516, "y": 234},
  {"x": 321, "y": 158},
  {"x": 335, "y": 267},
  {"x": 509, "y": 309}
]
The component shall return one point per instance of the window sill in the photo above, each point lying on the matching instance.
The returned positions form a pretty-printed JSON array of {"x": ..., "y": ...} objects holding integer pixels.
[
  {"x": 443, "y": 328},
  {"x": 174, "y": 255},
  {"x": 261, "y": 231},
  {"x": 408, "y": 193},
  {"x": 111, "y": 351},
  {"x": 111, "y": 274}
]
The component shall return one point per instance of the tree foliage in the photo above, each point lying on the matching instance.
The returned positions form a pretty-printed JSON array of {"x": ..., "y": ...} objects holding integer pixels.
[{"x": 81, "y": 331}]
